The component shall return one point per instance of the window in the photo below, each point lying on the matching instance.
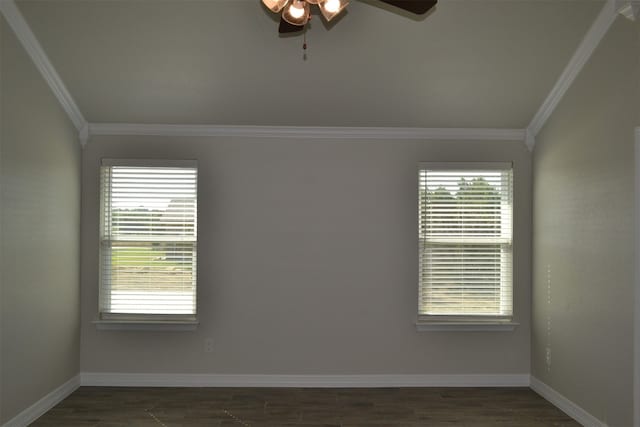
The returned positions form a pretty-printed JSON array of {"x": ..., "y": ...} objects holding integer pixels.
[
  {"x": 148, "y": 240},
  {"x": 465, "y": 242}
]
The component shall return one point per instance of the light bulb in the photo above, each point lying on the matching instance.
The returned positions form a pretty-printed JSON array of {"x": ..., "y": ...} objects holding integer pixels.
[
  {"x": 296, "y": 11},
  {"x": 332, "y": 6}
]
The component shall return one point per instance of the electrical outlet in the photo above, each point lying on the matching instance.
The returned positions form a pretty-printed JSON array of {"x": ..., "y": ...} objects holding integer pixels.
[{"x": 208, "y": 345}]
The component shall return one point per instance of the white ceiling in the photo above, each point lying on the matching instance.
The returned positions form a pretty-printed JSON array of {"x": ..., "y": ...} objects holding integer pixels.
[{"x": 470, "y": 63}]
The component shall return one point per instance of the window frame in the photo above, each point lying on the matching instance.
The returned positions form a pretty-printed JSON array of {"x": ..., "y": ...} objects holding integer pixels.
[
  {"x": 143, "y": 321},
  {"x": 471, "y": 322}
]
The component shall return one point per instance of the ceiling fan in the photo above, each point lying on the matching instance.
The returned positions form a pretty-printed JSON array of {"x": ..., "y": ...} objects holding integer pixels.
[{"x": 296, "y": 13}]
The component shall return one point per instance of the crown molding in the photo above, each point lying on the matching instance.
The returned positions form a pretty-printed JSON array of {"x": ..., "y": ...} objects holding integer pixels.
[
  {"x": 34, "y": 50},
  {"x": 586, "y": 48},
  {"x": 349, "y": 133},
  {"x": 630, "y": 9}
]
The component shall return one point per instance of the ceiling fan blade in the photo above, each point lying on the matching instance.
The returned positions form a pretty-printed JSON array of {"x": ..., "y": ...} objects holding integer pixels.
[
  {"x": 419, "y": 7},
  {"x": 285, "y": 27}
]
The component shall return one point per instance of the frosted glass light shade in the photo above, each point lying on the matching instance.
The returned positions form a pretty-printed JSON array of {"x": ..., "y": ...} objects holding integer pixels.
[
  {"x": 275, "y": 5},
  {"x": 332, "y": 8},
  {"x": 296, "y": 13}
]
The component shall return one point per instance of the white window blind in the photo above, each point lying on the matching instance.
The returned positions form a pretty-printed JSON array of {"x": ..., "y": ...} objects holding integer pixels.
[
  {"x": 465, "y": 240},
  {"x": 148, "y": 240}
]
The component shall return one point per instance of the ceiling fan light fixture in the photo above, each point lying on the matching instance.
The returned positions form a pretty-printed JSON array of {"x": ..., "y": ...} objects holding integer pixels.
[
  {"x": 296, "y": 13},
  {"x": 275, "y": 5},
  {"x": 332, "y": 8}
]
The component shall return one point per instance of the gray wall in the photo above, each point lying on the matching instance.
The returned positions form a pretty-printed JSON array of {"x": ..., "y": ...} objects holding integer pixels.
[
  {"x": 583, "y": 274},
  {"x": 39, "y": 234},
  {"x": 307, "y": 262}
]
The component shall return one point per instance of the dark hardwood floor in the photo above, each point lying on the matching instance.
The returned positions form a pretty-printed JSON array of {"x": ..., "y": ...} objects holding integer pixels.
[{"x": 174, "y": 407}]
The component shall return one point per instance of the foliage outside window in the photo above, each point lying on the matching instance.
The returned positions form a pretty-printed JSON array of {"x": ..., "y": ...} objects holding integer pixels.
[
  {"x": 148, "y": 239},
  {"x": 465, "y": 241}
]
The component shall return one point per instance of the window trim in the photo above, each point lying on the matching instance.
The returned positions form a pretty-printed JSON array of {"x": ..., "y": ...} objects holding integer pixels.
[
  {"x": 146, "y": 325},
  {"x": 465, "y": 326},
  {"x": 470, "y": 323},
  {"x": 147, "y": 322}
]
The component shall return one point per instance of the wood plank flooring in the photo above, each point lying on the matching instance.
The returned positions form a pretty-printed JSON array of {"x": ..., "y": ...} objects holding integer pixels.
[{"x": 286, "y": 407}]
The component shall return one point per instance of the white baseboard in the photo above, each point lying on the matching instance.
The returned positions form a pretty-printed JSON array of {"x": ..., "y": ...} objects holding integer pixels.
[
  {"x": 233, "y": 380},
  {"x": 36, "y": 410},
  {"x": 565, "y": 405}
]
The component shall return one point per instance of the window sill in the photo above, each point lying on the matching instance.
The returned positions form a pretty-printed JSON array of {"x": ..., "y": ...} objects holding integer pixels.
[
  {"x": 146, "y": 325},
  {"x": 466, "y": 326}
]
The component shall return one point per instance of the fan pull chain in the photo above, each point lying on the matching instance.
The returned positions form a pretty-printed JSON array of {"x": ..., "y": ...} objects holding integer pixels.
[{"x": 304, "y": 42}]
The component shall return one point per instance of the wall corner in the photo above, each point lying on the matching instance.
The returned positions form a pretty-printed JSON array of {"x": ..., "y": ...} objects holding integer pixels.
[
  {"x": 83, "y": 135},
  {"x": 529, "y": 139}
]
